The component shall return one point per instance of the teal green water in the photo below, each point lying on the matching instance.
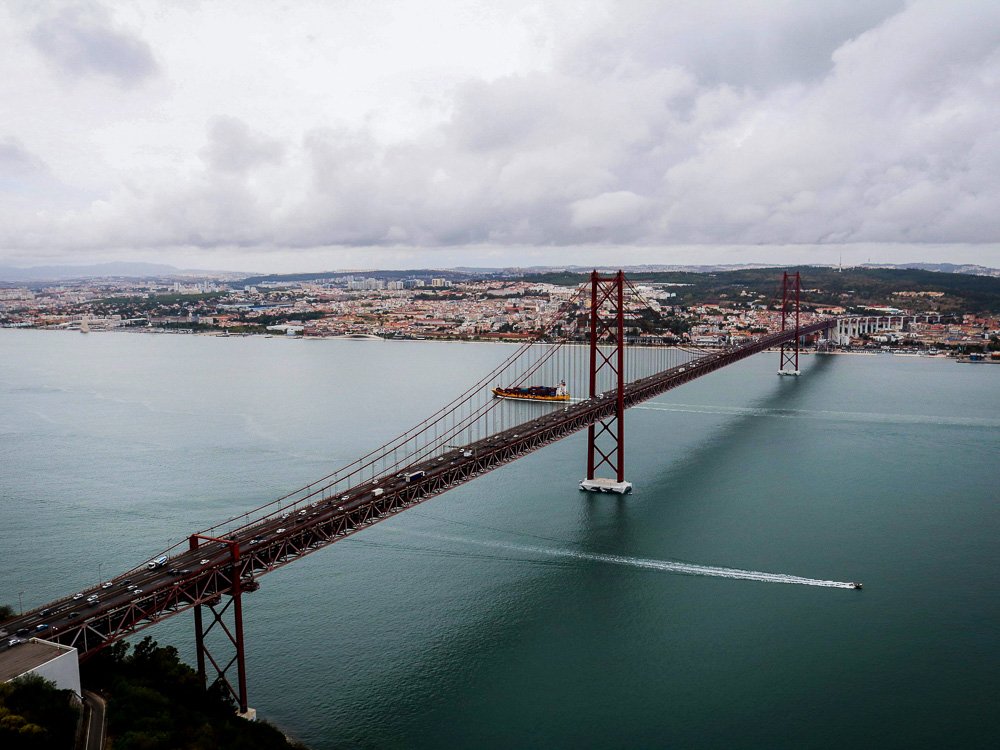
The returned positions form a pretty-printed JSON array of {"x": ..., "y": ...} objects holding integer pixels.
[{"x": 468, "y": 621}]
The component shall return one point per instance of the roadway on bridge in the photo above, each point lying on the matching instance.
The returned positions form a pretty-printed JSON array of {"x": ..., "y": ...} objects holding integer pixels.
[{"x": 92, "y": 618}]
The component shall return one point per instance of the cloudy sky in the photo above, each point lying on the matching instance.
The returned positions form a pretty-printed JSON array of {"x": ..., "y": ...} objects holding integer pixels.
[{"x": 253, "y": 135}]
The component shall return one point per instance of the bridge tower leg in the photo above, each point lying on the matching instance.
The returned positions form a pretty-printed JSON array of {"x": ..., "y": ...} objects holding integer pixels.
[
  {"x": 233, "y": 636},
  {"x": 790, "y": 292},
  {"x": 606, "y": 437}
]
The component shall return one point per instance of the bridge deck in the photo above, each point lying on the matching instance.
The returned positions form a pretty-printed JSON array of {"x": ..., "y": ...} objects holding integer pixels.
[{"x": 203, "y": 575}]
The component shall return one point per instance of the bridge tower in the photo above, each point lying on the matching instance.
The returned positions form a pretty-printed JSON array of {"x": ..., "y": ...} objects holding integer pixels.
[
  {"x": 606, "y": 437},
  {"x": 232, "y": 637},
  {"x": 790, "y": 292}
]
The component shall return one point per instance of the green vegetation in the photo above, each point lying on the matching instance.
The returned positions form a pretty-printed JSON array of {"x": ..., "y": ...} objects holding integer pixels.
[
  {"x": 186, "y": 326},
  {"x": 134, "y": 306},
  {"x": 156, "y": 702},
  {"x": 416, "y": 273},
  {"x": 35, "y": 715},
  {"x": 676, "y": 325},
  {"x": 263, "y": 320},
  {"x": 158, "y": 300},
  {"x": 6, "y": 612},
  {"x": 852, "y": 287},
  {"x": 442, "y": 296}
]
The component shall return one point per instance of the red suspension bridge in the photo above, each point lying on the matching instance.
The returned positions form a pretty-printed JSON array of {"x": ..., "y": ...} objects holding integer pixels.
[{"x": 588, "y": 342}]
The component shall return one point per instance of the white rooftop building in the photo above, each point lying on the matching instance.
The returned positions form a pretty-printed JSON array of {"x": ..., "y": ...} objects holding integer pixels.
[{"x": 53, "y": 661}]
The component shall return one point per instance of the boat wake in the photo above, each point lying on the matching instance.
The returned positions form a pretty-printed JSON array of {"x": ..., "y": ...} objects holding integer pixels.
[{"x": 664, "y": 566}]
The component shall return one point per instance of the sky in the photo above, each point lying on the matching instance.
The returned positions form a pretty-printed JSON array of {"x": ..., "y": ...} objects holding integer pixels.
[{"x": 305, "y": 135}]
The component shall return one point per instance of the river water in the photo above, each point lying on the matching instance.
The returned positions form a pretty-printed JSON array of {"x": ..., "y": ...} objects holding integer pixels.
[{"x": 516, "y": 611}]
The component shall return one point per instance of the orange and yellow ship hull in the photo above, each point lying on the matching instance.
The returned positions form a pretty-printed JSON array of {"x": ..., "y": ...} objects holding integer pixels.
[{"x": 504, "y": 393}]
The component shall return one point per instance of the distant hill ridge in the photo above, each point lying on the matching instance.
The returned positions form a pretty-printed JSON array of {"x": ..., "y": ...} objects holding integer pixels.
[
  {"x": 137, "y": 270},
  {"x": 116, "y": 269},
  {"x": 455, "y": 274}
]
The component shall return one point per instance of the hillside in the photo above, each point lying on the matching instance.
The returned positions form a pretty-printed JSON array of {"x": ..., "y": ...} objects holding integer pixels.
[{"x": 850, "y": 288}]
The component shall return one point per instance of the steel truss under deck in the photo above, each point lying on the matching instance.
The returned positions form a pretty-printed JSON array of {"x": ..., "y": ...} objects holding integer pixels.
[
  {"x": 333, "y": 519},
  {"x": 215, "y": 567}
]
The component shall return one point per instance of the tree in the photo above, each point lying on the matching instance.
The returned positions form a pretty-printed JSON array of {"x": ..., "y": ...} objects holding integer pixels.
[
  {"x": 157, "y": 702},
  {"x": 34, "y": 713}
]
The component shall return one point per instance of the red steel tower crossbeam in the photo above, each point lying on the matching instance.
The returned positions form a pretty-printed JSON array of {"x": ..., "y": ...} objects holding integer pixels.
[
  {"x": 790, "y": 295},
  {"x": 235, "y": 638},
  {"x": 607, "y": 293}
]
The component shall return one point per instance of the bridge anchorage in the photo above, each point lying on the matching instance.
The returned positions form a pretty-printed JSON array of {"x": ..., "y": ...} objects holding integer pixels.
[{"x": 602, "y": 346}]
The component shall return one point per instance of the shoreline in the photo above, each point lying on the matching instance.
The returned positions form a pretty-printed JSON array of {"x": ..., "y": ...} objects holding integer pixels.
[{"x": 374, "y": 337}]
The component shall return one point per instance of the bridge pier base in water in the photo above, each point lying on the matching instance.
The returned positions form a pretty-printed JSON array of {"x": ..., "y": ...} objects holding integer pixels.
[
  {"x": 607, "y": 293},
  {"x": 605, "y": 485}
]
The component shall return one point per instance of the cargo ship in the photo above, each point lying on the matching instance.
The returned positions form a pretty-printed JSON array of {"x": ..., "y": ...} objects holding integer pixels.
[{"x": 534, "y": 392}]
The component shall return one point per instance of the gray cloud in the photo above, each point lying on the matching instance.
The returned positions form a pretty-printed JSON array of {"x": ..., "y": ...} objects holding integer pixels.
[
  {"x": 812, "y": 123},
  {"x": 756, "y": 43},
  {"x": 18, "y": 164},
  {"x": 81, "y": 41},
  {"x": 233, "y": 148},
  {"x": 30, "y": 196}
]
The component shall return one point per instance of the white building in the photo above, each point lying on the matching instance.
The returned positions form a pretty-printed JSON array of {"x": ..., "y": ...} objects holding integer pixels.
[{"x": 53, "y": 661}]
